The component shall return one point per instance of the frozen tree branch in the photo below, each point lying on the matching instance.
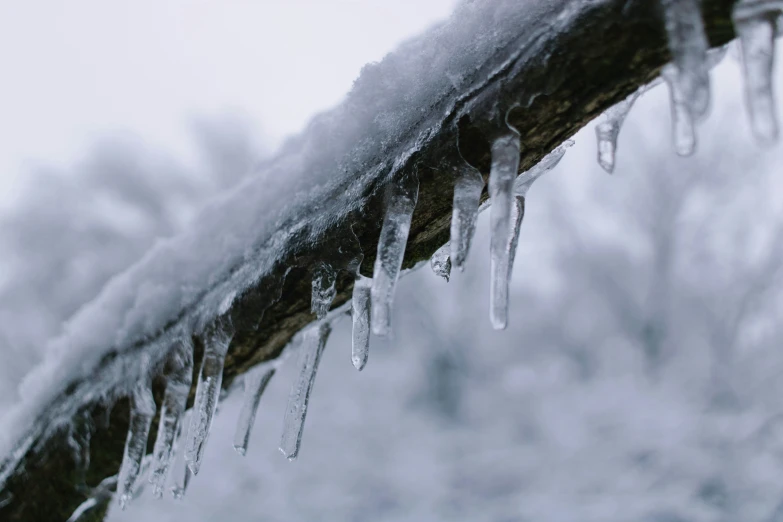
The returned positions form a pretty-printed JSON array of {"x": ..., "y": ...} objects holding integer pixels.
[{"x": 554, "y": 77}]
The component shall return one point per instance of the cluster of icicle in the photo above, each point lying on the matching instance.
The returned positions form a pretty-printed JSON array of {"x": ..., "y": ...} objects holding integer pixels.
[
  {"x": 688, "y": 80},
  {"x": 687, "y": 76}
]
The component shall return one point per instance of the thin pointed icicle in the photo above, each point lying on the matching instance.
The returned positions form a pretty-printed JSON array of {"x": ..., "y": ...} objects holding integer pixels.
[
  {"x": 682, "y": 120},
  {"x": 608, "y": 131},
  {"x": 181, "y": 471},
  {"x": 688, "y": 45},
  {"x": 505, "y": 166},
  {"x": 312, "y": 347},
  {"x": 400, "y": 204},
  {"x": 210, "y": 378},
  {"x": 754, "y": 22},
  {"x": 360, "y": 317},
  {"x": 468, "y": 185},
  {"x": 178, "y": 383},
  {"x": 324, "y": 290},
  {"x": 440, "y": 262},
  {"x": 255, "y": 384},
  {"x": 141, "y": 414}
]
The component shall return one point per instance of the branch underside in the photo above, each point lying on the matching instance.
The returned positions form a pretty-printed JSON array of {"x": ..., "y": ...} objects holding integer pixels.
[{"x": 615, "y": 47}]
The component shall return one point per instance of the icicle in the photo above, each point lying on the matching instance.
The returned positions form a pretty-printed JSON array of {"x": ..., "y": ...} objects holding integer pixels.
[
  {"x": 141, "y": 414},
  {"x": 324, "y": 290},
  {"x": 755, "y": 23},
  {"x": 182, "y": 472},
  {"x": 255, "y": 384},
  {"x": 682, "y": 121},
  {"x": 505, "y": 165},
  {"x": 210, "y": 378},
  {"x": 176, "y": 395},
  {"x": 441, "y": 261},
  {"x": 312, "y": 347},
  {"x": 79, "y": 442},
  {"x": 401, "y": 201},
  {"x": 608, "y": 131},
  {"x": 688, "y": 46},
  {"x": 468, "y": 185},
  {"x": 360, "y": 317}
]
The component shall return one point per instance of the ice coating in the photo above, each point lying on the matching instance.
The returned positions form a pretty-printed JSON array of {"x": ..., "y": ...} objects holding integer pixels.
[
  {"x": 178, "y": 382},
  {"x": 210, "y": 378},
  {"x": 360, "y": 319},
  {"x": 400, "y": 202},
  {"x": 324, "y": 290},
  {"x": 688, "y": 45},
  {"x": 468, "y": 185},
  {"x": 505, "y": 165},
  {"x": 313, "y": 345},
  {"x": 255, "y": 383},
  {"x": 141, "y": 414},
  {"x": 755, "y": 23},
  {"x": 440, "y": 262}
]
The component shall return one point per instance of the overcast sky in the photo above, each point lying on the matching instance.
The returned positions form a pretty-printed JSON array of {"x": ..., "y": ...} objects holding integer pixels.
[{"x": 76, "y": 71}]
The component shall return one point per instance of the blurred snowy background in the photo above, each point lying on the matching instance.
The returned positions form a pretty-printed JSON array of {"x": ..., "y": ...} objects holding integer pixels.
[{"x": 639, "y": 377}]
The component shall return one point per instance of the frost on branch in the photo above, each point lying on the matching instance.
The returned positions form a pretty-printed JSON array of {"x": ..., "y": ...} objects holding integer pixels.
[{"x": 401, "y": 200}]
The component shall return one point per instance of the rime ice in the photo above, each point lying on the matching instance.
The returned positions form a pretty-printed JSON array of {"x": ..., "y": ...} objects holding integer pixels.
[
  {"x": 178, "y": 383},
  {"x": 440, "y": 262},
  {"x": 401, "y": 201},
  {"x": 142, "y": 411},
  {"x": 210, "y": 377},
  {"x": 255, "y": 384},
  {"x": 608, "y": 130},
  {"x": 360, "y": 318},
  {"x": 505, "y": 165},
  {"x": 324, "y": 291},
  {"x": 468, "y": 185},
  {"x": 293, "y": 425},
  {"x": 754, "y": 22},
  {"x": 688, "y": 46}
]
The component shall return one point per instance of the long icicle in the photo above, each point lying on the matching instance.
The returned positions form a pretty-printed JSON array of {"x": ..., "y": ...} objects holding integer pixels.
[
  {"x": 312, "y": 348},
  {"x": 178, "y": 382},
  {"x": 181, "y": 471},
  {"x": 255, "y": 383},
  {"x": 360, "y": 318},
  {"x": 688, "y": 45},
  {"x": 400, "y": 203},
  {"x": 505, "y": 166},
  {"x": 468, "y": 185},
  {"x": 682, "y": 119},
  {"x": 755, "y": 24},
  {"x": 141, "y": 414},
  {"x": 210, "y": 378}
]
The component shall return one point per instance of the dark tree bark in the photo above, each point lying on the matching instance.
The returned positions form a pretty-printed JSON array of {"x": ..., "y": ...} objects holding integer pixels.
[{"x": 617, "y": 46}]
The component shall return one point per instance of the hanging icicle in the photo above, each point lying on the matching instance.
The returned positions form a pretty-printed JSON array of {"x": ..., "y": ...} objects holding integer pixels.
[
  {"x": 468, "y": 184},
  {"x": 608, "y": 131},
  {"x": 360, "y": 317},
  {"x": 755, "y": 23},
  {"x": 400, "y": 203},
  {"x": 141, "y": 414},
  {"x": 688, "y": 45},
  {"x": 440, "y": 262},
  {"x": 181, "y": 471},
  {"x": 312, "y": 348},
  {"x": 255, "y": 383},
  {"x": 178, "y": 381},
  {"x": 682, "y": 120},
  {"x": 210, "y": 378},
  {"x": 505, "y": 166}
]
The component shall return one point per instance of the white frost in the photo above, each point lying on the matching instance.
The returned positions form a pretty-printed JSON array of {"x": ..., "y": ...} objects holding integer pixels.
[
  {"x": 400, "y": 202},
  {"x": 324, "y": 290},
  {"x": 313, "y": 345}
]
